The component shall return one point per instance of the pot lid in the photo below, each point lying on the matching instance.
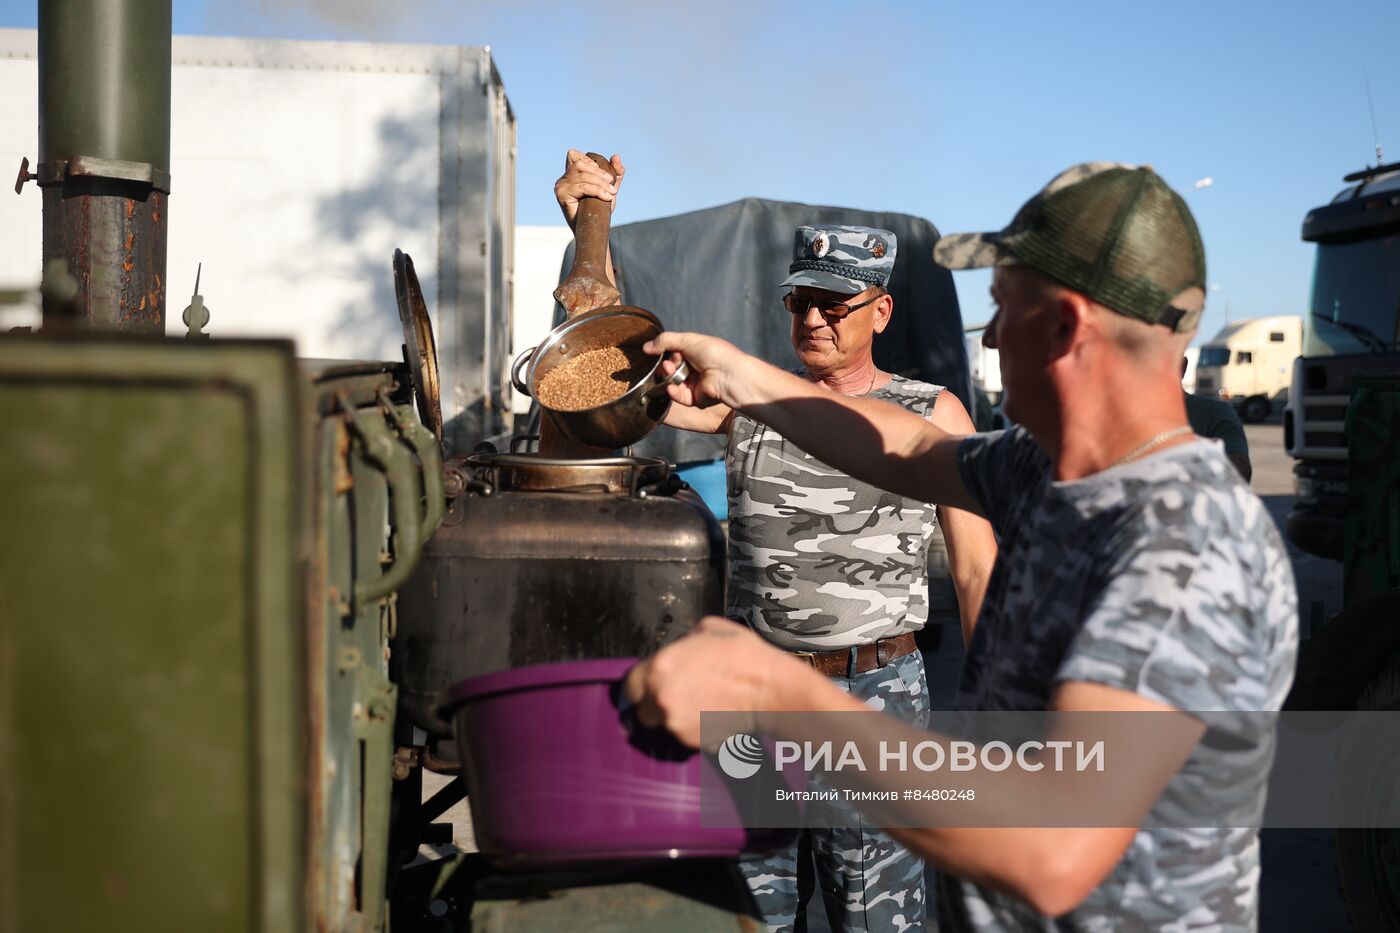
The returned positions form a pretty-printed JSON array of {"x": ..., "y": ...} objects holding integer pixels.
[{"x": 419, "y": 351}]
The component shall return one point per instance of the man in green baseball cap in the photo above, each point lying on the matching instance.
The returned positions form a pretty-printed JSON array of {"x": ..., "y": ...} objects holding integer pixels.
[
  {"x": 1136, "y": 573},
  {"x": 1112, "y": 233}
]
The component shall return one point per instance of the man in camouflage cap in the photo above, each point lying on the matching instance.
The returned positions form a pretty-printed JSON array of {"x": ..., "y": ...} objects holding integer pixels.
[
  {"x": 843, "y": 260},
  {"x": 852, "y": 561},
  {"x": 1136, "y": 571},
  {"x": 830, "y": 569},
  {"x": 835, "y": 570}
]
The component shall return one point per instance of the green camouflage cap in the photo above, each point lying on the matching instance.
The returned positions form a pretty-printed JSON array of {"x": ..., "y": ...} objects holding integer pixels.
[
  {"x": 840, "y": 258},
  {"x": 1114, "y": 233}
]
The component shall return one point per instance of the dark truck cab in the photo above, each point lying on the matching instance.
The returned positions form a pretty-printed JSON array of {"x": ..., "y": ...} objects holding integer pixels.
[
  {"x": 1342, "y": 426},
  {"x": 1352, "y": 328}
]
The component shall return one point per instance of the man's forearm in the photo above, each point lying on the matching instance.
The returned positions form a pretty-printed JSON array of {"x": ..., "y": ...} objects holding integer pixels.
[
  {"x": 1003, "y": 840},
  {"x": 712, "y": 420},
  {"x": 880, "y": 443},
  {"x": 972, "y": 550},
  {"x": 971, "y": 588}
]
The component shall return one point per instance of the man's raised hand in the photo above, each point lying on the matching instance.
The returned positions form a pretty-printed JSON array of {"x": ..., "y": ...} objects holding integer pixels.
[{"x": 584, "y": 178}]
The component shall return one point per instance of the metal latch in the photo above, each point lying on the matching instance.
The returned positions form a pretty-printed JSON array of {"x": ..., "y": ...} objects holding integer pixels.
[
  {"x": 24, "y": 174},
  {"x": 196, "y": 315}
]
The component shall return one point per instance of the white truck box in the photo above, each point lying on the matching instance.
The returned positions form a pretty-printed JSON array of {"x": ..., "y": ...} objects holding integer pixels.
[
  {"x": 296, "y": 169},
  {"x": 539, "y": 255}
]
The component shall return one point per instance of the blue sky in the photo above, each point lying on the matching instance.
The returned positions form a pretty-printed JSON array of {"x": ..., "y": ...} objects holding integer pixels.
[{"x": 952, "y": 111}]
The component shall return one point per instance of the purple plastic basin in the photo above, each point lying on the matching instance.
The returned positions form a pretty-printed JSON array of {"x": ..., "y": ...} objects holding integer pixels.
[{"x": 555, "y": 773}]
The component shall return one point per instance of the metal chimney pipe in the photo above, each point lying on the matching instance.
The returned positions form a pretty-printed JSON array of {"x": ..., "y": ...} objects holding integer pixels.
[{"x": 104, "y": 156}]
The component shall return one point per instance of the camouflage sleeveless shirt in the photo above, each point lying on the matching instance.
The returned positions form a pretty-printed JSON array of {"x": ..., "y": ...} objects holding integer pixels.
[{"x": 818, "y": 560}]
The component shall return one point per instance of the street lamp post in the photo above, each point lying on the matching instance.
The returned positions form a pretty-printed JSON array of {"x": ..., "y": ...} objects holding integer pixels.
[{"x": 1215, "y": 287}]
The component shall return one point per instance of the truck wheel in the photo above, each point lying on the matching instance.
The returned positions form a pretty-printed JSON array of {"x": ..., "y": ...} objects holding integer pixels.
[
  {"x": 1256, "y": 409},
  {"x": 1368, "y": 860}
]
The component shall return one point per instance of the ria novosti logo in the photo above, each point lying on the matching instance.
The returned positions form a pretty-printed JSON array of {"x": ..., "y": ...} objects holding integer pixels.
[{"x": 741, "y": 756}]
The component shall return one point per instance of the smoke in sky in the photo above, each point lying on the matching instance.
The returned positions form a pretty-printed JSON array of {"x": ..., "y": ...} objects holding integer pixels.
[
  {"x": 343, "y": 19},
  {"x": 693, "y": 94}
]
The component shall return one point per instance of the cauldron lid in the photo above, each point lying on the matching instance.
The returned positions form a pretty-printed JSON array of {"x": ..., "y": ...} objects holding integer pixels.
[
  {"x": 533, "y": 473},
  {"x": 419, "y": 349}
]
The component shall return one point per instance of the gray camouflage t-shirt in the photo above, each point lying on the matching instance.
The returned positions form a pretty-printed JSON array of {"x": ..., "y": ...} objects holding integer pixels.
[
  {"x": 1165, "y": 577},
  {"x": 818, "y": 560}
]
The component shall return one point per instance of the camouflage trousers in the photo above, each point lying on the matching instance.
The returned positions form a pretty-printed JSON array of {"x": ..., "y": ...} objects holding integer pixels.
[{"x": 867, "y": 880}]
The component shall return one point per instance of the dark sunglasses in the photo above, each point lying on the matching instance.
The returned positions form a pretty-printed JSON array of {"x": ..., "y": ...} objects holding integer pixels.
[{"x": 800, "y": 304}]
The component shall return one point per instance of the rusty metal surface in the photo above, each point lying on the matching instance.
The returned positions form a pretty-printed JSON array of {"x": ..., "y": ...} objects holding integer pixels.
[
  {"x": 104, "y": 158},
  {"x": 111, "y": 235},
  {"x": 361, "y": 382},
  {"x": 366, "y": 522},
  {"x": 587, "y": 285},
  {"x": 24, "y": 175},
  {"x": 58, "y": 171}
]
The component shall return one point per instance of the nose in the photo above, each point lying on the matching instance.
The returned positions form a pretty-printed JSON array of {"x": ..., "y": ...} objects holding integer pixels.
[
  {"x": 813, "y": 318},
  {"x": 989, "y": 336}
]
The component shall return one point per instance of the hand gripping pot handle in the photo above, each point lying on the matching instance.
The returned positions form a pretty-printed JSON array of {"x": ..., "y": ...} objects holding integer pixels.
[
  {"x": 676, "y": 378},
  {"x": 654, "y": 741},
  {"x": 519, "y": 364}
]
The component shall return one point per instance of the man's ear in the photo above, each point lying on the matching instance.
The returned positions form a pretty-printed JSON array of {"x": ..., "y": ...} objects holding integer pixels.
[
  {"x": 1066, "y": 315},
  {"x": 884, "y": 308}
]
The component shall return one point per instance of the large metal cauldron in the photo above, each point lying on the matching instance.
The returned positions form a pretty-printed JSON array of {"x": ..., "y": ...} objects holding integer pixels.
[{"x": 544, "y": 560}]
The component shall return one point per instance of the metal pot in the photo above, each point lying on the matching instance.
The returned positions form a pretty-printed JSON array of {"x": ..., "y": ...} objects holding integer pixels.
[
  {"x": 626, "y": 419},
  {"x": 542, "y": 560}
]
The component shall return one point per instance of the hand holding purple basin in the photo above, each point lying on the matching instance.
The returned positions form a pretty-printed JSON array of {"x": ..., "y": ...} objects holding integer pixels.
[{"x": 556, "y": 773}]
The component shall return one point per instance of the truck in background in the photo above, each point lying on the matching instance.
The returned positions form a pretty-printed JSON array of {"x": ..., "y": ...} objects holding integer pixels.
[
  {"x": 298, "y": 168},
  {"x": 1188, "y": 374},
  {"x": 1352, "y": 328},
  {"x": 1342, "y": 426},
  {"x": 1249, "y": 363},
  {"x": 984, "y": 365}
]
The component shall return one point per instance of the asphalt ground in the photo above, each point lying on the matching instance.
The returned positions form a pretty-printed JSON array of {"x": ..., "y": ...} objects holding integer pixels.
[{"x": 1298, "y": 889}]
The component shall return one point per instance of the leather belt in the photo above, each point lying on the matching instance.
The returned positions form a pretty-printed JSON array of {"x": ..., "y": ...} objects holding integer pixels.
[{"x": 847, "y": 662}]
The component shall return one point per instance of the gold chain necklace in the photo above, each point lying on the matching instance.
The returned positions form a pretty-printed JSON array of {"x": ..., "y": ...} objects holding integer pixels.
[{"x": 1153, "y": 442}]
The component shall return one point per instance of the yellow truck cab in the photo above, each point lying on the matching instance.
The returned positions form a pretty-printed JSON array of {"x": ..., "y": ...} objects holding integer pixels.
[{"x": 1249, "y": 364}]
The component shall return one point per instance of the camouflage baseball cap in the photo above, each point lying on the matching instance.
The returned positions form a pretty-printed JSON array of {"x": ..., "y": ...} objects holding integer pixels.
[
  {"x": 841, "y": 259},
  {"x": 1114, "y": 233}
]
